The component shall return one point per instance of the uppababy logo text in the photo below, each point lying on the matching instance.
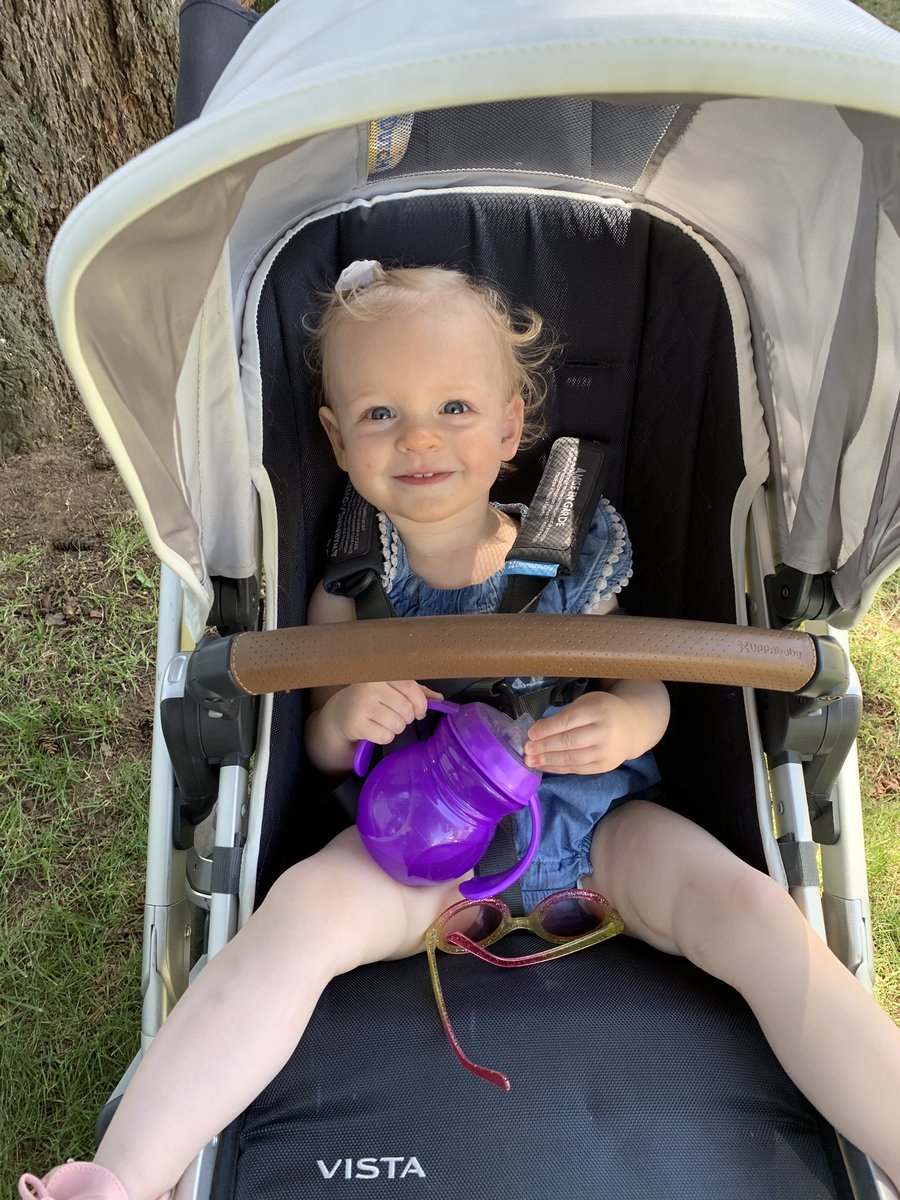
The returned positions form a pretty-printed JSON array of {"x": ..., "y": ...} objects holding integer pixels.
[{"x": 371, "y": 1168}]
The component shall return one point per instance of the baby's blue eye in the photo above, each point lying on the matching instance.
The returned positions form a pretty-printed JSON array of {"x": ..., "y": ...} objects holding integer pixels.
[
  {"x": 454, "y": 407},
  {"x": 381, "y": 413}
]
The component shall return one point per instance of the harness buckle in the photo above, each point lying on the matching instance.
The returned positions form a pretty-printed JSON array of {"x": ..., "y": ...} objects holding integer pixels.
[{"x": 499, "y": 694}]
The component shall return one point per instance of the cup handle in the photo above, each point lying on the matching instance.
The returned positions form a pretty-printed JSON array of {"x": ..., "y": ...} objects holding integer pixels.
[
  {"x": 364, "y": 748},
  {"x": 481, "y": 887}
]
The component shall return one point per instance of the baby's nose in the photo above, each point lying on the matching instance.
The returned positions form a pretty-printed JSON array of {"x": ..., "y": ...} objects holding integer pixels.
[{"x": 417, "y": 438}]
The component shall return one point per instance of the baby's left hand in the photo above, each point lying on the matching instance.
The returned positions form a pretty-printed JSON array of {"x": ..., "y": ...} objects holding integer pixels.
[{"x": 593, "y": 734}]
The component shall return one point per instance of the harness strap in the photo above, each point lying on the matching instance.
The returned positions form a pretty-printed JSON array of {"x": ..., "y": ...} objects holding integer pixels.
[
  {"x": 552, "y": 534},
  {"x": 354, "y": 561},
  {"x": 371, "y": 600}
]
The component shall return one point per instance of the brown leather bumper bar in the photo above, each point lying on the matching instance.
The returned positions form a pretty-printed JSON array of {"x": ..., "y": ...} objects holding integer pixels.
[{"x": 536, "y": 644}]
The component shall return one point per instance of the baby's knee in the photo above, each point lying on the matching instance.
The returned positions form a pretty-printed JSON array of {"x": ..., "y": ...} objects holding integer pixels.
[
  {"x": 730, "y": 916},
  {"x": 312, "y": 903},
  {"x": 341, "y": 902}
]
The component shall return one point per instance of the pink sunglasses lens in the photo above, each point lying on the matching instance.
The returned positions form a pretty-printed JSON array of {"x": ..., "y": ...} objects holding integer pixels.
[
  {"x": 477, "y": 922},
  {"x": 573, "y": 916}
]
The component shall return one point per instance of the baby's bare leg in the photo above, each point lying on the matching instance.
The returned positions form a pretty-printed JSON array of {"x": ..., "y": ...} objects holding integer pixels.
[
  {"x": 682, "y": 891},
  {"x": 240, "y": 1020}
]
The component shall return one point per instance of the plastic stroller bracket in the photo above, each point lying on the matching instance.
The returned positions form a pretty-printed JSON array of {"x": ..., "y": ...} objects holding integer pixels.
[
  {"x": 819, "y": 735},
  {"x": 201, "y": 737},
  {"x": 531, "y": 644}
]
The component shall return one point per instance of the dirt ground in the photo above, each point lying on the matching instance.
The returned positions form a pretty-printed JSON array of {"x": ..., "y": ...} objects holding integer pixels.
[
  {"x": 61, "y": 495},
  {"x": 58, "y": 507}
]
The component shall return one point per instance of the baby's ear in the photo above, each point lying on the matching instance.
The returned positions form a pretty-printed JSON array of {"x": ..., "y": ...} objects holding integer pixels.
[
  {"x": 333, "y": 430},
  {"x": 512, "y": 427}
]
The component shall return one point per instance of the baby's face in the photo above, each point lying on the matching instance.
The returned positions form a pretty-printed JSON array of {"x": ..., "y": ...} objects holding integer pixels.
[{"x": 421, "y": 415}]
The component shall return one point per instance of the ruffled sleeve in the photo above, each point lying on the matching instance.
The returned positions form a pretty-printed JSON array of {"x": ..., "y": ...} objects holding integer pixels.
[{"x": 604, "y": 568}]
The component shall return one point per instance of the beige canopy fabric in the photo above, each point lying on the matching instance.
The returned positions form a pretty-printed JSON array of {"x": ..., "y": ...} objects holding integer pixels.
[{"x": 772, "y": 127}]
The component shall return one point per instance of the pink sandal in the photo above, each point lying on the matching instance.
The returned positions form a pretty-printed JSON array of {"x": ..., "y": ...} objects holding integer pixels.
[{"x": 73, "y": 1181}]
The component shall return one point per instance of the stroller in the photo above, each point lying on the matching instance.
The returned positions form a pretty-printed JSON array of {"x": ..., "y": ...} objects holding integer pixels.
[{"x": 706, "y": 207}]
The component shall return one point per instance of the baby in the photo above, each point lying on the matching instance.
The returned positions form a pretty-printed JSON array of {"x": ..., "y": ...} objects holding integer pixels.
[{"x": 429, "y": 385}]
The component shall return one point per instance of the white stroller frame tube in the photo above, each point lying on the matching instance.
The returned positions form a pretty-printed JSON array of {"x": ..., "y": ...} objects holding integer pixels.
[
  {"x": 231, "y": 813},
  {"x": 840, "y": 913},
  {"x": 167, "y": 921},
  {"x": 167, "y": 912},
  {"x": 791, "y": 812}
]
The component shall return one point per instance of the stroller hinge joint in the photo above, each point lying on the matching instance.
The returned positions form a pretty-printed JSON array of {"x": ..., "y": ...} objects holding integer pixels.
[
  {"x": 235, "y": 606},
  {"x": 796, "y": 596}
]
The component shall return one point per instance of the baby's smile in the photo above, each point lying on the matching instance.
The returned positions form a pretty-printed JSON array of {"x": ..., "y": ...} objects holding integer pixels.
[{"x": 423, "y": 478}]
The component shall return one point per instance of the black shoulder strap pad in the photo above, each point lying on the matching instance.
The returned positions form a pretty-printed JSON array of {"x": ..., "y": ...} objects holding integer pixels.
[
  {"x": 553, "y": 532},
  {"x": 354, "y": 551}
]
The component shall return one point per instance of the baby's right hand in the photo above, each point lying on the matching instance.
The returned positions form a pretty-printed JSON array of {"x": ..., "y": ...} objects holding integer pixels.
[{"x": 377, "y": 712}]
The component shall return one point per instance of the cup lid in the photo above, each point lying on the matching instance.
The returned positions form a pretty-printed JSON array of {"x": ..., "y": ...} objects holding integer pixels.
[{"x": 494, "y": 742}]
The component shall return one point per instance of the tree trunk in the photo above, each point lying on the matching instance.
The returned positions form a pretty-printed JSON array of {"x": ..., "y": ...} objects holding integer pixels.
[{"x": 84, "y": 86}]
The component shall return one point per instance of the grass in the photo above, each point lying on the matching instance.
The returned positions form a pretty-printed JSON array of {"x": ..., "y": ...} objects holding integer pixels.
[
  {"x": 875, "y": 648},
  {"x": 885, "y": 10},
  {"x": 75, "y": 705}
]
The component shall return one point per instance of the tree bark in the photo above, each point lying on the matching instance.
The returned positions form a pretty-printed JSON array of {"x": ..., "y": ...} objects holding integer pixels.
[{"x": 84, "y": 86}]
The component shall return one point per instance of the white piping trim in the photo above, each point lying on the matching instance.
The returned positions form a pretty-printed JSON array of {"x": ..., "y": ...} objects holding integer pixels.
[
  {"x": 740, "y": 516},
  {"x": 752, "y": 430},
  {"x": 257, "y": 799},
  {"x": 629, "y": 66},
  {"x": 752, "y": 426}
]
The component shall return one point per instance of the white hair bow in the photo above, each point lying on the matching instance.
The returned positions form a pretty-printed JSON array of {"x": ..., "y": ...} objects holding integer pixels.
[{"x": 358, "y": 275}]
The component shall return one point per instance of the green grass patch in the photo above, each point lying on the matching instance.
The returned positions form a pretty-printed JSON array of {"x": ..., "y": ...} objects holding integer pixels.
[
  {"x": 885, "y": 10},
  {"x": 875, "y": 647},
  {"x": 76, "y": 698}
]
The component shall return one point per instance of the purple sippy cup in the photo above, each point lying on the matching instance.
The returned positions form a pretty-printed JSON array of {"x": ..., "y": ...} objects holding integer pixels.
[{"x": 428, "y": 811}]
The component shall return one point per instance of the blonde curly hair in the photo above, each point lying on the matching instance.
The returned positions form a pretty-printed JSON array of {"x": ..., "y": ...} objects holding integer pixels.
[{"x": 396, "y": 291}]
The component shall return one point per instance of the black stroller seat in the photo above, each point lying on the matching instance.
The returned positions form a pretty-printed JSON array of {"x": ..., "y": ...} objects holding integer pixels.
[{"x": 633, "y": 1074}]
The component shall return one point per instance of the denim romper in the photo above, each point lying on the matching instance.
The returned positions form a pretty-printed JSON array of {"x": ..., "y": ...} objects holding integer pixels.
[{"x": 571, "y": 805}]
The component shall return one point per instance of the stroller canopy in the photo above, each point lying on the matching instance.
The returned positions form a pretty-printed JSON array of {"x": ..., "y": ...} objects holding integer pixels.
[{"x": 771, "y": 127}]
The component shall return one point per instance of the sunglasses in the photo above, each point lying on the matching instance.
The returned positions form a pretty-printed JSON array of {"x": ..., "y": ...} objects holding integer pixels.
[{"x": 571, "y": 920}]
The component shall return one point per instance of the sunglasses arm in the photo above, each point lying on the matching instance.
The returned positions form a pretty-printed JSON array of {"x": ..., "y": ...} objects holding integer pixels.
[
  {"x": 497, "y": 1078},
  {"x": 523, "y": 960}
]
